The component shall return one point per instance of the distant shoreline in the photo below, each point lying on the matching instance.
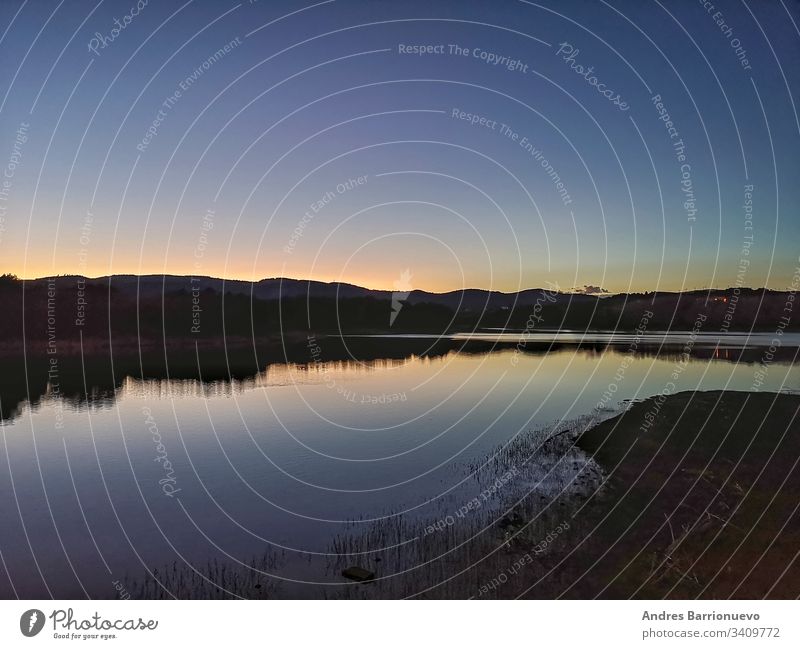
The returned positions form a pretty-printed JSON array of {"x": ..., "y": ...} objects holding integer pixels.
[
  {"x": 181, "y": 310},
  {"x": 129, "y": 345}
]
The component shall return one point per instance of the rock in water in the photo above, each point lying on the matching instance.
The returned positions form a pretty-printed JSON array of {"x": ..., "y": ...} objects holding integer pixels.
[{"x": 357, "y": 573}]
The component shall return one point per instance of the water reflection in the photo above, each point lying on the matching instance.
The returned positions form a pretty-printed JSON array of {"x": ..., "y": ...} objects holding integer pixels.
[
  {"x": 94, "y": 381},
  {"x": 282, "y": 450}
]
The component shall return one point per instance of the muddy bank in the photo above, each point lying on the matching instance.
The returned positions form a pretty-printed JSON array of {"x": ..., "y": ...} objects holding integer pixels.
[{"x": 702, "y": 499}]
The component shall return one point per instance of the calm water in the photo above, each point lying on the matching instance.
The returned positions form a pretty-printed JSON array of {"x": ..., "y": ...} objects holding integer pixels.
[{"x": 171, "y": 470}]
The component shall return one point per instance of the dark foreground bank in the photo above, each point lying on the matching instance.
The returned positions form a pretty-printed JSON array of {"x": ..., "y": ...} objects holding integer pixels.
[{"x": 704, "y": 501}]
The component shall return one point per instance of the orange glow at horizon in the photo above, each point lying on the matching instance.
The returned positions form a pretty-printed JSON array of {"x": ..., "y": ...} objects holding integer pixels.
[
  {"x": 426, "y": 274},
  {"x": 375, "y": 281}
]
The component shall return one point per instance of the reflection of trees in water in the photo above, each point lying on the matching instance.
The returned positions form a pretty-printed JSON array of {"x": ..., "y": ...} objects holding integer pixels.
[{"x": 93, "y": 381}]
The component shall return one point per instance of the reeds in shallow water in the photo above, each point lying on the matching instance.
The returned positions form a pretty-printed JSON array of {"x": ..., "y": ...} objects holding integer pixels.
[{"x": 510, "y": 516}]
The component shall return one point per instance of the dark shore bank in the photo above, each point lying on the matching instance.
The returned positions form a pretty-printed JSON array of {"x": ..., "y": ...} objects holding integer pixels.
[{"x": 704, "y": 502}]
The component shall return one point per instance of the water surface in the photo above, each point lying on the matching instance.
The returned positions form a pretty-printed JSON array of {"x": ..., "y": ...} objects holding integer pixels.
[{"x": 156, "y": 470}]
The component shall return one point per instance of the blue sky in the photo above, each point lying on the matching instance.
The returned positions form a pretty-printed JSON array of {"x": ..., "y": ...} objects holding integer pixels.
[{"x": 310, "y": 97}]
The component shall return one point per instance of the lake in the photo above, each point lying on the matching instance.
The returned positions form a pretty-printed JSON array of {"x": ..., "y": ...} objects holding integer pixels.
[{"x": 141, "y": 472}]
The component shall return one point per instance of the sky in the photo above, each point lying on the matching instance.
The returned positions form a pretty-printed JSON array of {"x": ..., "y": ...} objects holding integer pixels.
[{"x": 621, "y": 145}]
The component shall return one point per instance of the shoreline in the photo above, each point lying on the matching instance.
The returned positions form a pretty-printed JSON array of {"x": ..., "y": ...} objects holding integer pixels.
[{"x": 71, "y": 346}]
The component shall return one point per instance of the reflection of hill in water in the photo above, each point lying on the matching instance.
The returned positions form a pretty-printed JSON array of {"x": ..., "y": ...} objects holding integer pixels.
[
  {"x": 275, "y": 375},
  {"x": 95, "y": 382}
]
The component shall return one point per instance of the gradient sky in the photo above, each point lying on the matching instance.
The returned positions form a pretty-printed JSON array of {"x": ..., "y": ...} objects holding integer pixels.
[{"x": 314, "y": 95}]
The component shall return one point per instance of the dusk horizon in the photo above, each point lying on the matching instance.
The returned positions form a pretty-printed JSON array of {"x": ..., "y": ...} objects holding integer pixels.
[
  {"x": 588, "y": 289},
  {"x": 358, "y": 300}
]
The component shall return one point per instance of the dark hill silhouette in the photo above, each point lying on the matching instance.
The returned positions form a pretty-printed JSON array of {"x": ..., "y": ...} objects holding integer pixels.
[{"x": 147, "y": 310}]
